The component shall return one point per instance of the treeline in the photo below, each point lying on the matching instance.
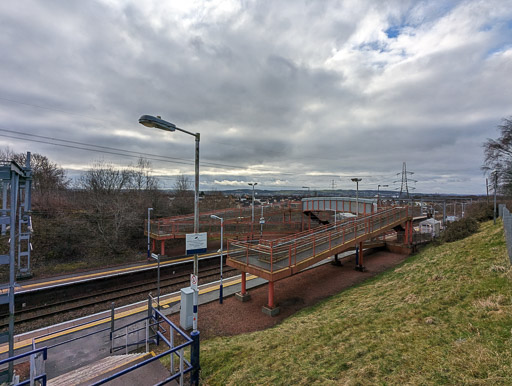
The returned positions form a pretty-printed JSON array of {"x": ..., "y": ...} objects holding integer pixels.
[{"x": 98, "y": 219}]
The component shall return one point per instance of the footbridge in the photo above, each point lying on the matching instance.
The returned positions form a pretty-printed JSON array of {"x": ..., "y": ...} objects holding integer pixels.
[
  {"x": 279, "y": 219},
  {"x": 277, "y": 259}
]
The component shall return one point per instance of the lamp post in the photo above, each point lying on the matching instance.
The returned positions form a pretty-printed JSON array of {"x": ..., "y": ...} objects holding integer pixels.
[
  {"x": 149, "y": 231},
  {"x": 378, "y": 192},
  {"x": 357, "y": 180},
  {"x": 262, "y": 220},
  {"x": 157, "y": 122},
  {"x": 157, "y": 258},
  {"x": 253, "y": 184},
  {"x": 221, "y": 252}
]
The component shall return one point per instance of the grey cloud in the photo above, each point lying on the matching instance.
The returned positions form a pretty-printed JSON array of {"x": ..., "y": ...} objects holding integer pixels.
[{"x": 259, "y": 83}]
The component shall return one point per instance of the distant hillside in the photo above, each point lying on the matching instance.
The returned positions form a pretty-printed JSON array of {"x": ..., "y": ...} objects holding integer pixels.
[{"x": 444, "y": 316}]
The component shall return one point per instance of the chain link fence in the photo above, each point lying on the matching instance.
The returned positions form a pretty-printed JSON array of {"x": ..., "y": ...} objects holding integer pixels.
[{"x": 507, "y": 225}]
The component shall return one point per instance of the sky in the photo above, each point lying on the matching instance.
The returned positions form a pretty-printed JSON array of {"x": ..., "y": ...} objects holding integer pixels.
[{"x": 283, "y": 93}]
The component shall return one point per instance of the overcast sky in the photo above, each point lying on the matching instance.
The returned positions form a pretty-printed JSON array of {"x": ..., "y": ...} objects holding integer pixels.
[{"x": 284, "y": 93}]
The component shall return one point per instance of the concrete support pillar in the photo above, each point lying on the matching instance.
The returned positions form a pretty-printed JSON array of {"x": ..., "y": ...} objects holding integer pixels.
[
  {"x": 271, "y": 308},
  {"x": 336, "y": 261},
  {"x": 270, "y": 294},
  {"x": 243, "y": 296}
]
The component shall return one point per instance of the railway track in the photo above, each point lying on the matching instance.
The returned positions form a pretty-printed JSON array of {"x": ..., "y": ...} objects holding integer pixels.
[{"x": 39, "y": 308}]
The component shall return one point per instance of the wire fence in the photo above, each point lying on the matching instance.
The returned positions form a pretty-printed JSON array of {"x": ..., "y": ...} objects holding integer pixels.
[{"x": 507, "y": 225}]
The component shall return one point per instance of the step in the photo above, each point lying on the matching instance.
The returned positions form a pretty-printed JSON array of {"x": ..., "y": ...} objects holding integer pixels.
[{"x": 98, "y": 370}]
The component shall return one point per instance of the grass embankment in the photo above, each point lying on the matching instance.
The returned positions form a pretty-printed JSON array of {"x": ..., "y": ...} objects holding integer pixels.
[{"x": 443, "y": 316}]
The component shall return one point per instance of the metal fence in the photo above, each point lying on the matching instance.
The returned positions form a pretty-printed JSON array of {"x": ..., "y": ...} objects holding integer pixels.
[{"x": 507, "y": 225}]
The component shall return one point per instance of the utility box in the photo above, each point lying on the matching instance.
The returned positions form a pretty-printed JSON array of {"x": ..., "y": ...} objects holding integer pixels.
[{"x": 187, "y": 308}]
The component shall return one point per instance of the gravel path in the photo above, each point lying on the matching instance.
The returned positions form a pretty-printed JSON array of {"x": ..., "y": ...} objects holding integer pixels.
[{"x": 291, "y": 294}]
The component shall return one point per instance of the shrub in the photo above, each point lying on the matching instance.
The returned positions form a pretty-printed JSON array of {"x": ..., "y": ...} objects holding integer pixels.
[
  {"x": 460, "y": 229},
  {"x": 480, "y": 211}
]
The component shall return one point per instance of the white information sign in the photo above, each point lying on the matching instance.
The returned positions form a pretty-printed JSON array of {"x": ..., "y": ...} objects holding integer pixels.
[
  {"x": 262, "y": 220},
  {"x": 196, "y": 243},
  {"x": 193, "y": 281}
]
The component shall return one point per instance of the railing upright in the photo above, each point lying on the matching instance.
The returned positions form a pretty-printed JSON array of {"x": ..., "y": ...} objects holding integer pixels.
[
  {"x": 171, "y": 361},
  {"x": 147, "y": 335},
  {"x": 271, "y": 257},
  {"x": 295, "y": 252},
  {"x": 181, "y": 366}
]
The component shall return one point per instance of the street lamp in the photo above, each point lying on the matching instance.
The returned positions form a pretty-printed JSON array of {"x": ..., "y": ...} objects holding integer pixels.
[
  {"x": 159, "y": 123},
  {"x": 149, "y": 230},
  {"x": 157, "y": 258},
  {"x": 262, "y": 220},
  {"x": 378, "y": 192},
  {"x": 253, "y": 184},
  {"x": 357, "y": 180},
  {"x": 221, "y": 252}
]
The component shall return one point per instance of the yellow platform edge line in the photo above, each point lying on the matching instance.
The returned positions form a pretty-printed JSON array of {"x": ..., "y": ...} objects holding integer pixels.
[
  {"x": 98, "y": 274},
  {"x": 28, "y": 342}
]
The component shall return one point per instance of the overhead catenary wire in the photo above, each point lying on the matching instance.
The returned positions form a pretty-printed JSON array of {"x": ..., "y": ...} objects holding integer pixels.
[{"x": 134, "y": 154}]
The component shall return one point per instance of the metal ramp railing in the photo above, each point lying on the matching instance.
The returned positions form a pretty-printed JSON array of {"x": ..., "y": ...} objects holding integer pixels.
[{"x": 286, "y": 255}]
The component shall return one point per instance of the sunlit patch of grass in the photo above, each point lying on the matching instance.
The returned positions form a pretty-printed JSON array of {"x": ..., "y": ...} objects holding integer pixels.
[{"x": 443, "y": 316}]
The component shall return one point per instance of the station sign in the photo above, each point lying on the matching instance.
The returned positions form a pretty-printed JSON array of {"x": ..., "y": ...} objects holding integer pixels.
[
  {"x": 196, "y": 243},
  {"x": 262, "y": 220}
]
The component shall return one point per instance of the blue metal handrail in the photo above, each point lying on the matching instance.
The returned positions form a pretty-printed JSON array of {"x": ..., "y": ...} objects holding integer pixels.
[
  {"x": 172, "y": 350},
  {"x": 41, "y": 377},
  {"x": 44, "y": 350}
]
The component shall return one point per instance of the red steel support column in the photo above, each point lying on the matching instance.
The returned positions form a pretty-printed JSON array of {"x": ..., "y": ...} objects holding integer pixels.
[
  {"x": 270, "y": 294},
  {"x": 244, "y": 291},
  {"x": 153, "y": 244},
  {"x": 162, "y": 247},
  {"x": 271, "y": 257},
  {"x": 406, "y": 235}
]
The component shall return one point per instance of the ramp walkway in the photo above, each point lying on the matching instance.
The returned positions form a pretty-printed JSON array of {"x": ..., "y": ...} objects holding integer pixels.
[{"x": 276, "y": 259}]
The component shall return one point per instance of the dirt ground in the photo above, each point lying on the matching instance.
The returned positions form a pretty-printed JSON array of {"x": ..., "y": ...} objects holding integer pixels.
[{"x": 291, "y": 294}]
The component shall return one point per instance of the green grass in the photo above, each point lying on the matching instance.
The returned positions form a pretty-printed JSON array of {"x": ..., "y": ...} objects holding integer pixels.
[{"x": 442, "y": 317}]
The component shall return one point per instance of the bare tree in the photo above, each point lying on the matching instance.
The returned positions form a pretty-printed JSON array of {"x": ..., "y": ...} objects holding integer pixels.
[
  {"x": 183, "y": 197},
  {"x": 108, "y": 204},
  {"x": 47, "y": 176},
  {"x": 498, "y": 155},
  {"x": 141, "y": 176}
]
